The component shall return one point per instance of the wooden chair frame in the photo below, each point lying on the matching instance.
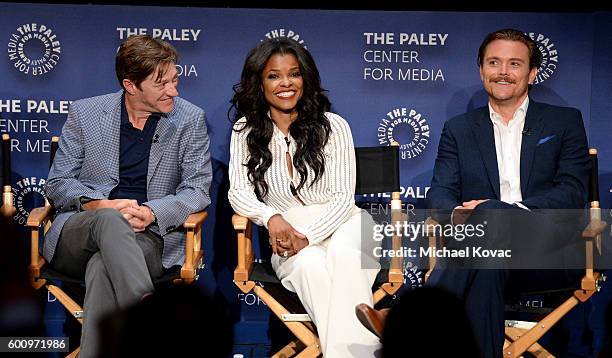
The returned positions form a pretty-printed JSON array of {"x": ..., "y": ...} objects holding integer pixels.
[
  {"x": 7, "y": 209},
  {"x": 41, "y": 218},
  {"x": 306, "y": 343},
  {"x": 522, "y": 336}
]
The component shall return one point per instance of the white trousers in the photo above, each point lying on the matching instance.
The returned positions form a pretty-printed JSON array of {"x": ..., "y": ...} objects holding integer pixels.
[{"x": 331, "y": 278}]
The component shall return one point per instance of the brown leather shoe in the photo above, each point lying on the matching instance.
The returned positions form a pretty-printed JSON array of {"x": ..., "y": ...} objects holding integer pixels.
[{"x": 371, "y": 319}]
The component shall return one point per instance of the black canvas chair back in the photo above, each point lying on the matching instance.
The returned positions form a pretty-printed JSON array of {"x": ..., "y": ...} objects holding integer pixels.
[
  {"x": 53, "y": 150},
  {"x": 377, "y": 170},
  {"x": 594, "y": 180},
  {"x": 5, "y": 149}
]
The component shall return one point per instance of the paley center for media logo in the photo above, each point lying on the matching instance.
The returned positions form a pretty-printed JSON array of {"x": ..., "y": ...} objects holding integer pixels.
[
  {"x": 288, "y": 33},
  {"x": 406, "y": 126},
  {"x": 550, "y": 57},
  {"x": 27, "y": 194},
  {"x": 34, "y": 49},
  {"x": 413, "y": 276}
]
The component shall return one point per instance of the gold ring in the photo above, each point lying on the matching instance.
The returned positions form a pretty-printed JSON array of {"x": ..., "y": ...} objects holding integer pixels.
[{"x": 285, "y": 254}]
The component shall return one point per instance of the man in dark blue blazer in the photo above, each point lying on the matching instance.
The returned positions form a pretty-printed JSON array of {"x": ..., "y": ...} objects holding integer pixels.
[
  {"x": 513, "y": 154},
  {"x": 516, "y": 155}
]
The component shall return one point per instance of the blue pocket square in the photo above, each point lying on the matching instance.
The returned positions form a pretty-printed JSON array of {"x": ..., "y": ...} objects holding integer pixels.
[{"x": 545, "y": 139}]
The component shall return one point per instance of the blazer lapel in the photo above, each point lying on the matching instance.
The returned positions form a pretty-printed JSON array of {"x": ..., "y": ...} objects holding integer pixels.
[
  {"x": 531, "y": 133},
  {"x": 110, "y": 122},
  {"x": 483, "y": 133},
  {"x": 163, "y": 134}
]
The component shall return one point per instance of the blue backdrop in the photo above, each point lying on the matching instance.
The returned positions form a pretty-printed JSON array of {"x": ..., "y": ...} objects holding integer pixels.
[{"x": 393, "y": 75}]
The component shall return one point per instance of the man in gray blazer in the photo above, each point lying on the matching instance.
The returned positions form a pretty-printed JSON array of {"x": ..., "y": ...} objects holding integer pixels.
[{"x": 131, "y": 166}]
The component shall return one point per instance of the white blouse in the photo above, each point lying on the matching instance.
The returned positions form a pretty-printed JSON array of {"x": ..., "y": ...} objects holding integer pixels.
[{"x": 335, "y": 189}]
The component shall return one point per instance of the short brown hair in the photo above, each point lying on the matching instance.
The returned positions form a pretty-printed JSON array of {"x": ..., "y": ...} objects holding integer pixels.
[
  {"x": 535, "y": 56},
  {"x": 141, "y": 55}
]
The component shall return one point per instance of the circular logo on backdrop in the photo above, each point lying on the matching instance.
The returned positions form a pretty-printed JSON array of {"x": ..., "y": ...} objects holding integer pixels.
[
  {"x": 34, "y": 49},
  {"x": 550, "y": 57},
  {"x": 276, "y": 33},
  {"x": 412, "y": 275},
  {"x": 28, "y": 193},
  {"x": 406, "y": 126}
]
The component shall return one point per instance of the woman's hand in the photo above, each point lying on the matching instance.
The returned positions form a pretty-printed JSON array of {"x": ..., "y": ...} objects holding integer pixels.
[
  {"x": 299, "y": 242},
  {"x": 286, "y": 241}
]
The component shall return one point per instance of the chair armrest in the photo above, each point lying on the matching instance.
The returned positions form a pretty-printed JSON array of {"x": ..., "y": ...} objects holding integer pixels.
[
  {"x": 243, "y": 228},
  {"x": 39, "y": 215},
  {"x": 193, "y": 246},
  {"x": 595, "y": 227},
  {"x": 239, "y": 222},
  {"x": 7, "y": 209},
  {"x": 195, "y": 219},
  {"x": 592, "y": 237}
]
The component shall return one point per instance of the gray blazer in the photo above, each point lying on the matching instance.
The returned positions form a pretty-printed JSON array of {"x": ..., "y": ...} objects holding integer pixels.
[{"x": 87, "y": 165}]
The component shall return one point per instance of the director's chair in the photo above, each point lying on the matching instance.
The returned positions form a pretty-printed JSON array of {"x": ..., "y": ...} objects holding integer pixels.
[
  {"x": 41, "y": 274},
  {"x": 377, "y": 172},
  {"x": 523, "y": 336},
  {"x": 8, "y": 208}
]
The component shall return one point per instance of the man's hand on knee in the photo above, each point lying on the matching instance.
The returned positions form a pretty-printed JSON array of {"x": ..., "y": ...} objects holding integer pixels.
[
  {"x": 472, "y": 204},
  {"x": 139, "y": 217},
  {"x": 462, "y": 213},
  {"x": 117, "y": 204}
]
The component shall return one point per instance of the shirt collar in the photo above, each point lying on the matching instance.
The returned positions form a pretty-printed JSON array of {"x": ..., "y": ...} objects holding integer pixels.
[{"x": 518, "y": 117}]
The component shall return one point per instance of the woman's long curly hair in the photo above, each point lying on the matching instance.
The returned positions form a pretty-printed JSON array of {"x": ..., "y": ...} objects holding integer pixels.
[{"x": 310, "y": 130}]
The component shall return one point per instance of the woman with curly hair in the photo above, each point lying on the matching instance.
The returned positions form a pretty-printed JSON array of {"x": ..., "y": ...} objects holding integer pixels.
[{"x": 292, "y": 169}]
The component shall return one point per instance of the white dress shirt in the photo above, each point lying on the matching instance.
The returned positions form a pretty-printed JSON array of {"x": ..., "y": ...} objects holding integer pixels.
[{"x": 508, "y": 140}]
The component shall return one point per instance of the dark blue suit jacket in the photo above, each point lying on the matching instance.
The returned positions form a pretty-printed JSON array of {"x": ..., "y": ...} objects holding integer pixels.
[{"x": 554, "y": 160}]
